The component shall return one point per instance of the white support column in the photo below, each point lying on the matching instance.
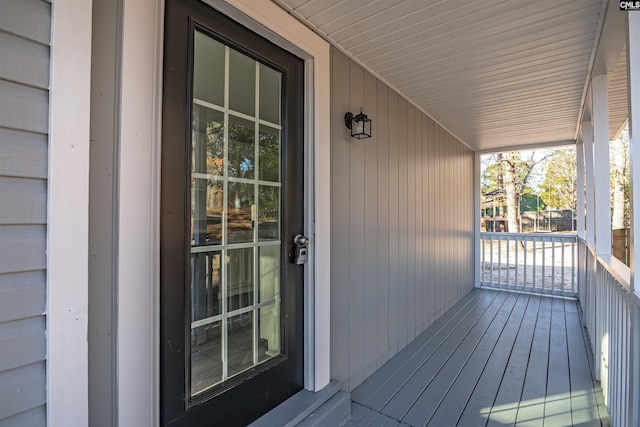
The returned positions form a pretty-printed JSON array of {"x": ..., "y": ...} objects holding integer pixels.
[
  {"x": 580, "y": 207},
  {"x": 601, "y": 164},
  {"x": 633, "y": 90},
  {"x": 476, "y": 210},
  {"x": 587, "y": 143}
]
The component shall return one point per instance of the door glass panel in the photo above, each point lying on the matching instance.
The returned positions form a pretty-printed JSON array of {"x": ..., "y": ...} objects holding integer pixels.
[
  {"x": 241, "y": 349},
  {"x": 269, "y": 330},
  {"x": 235, "y": 268},
  {"x": 209, "y": 55},
  {"x": 242, "y": 152},
  {"x": 206, "y": 294},
  {"x": 269, "y": 213},
  {"x": 269, "y": 94},
  {"x": 208, "y": 140},
  {"x": 241, "y": 212},
  {"x": 206, "y": 356},
  {"x": 269, "y": 154},
  {"x": 269, "y": 274},
  {"x": 242, "y": 83},
  {"x": 239, "y": 278}
]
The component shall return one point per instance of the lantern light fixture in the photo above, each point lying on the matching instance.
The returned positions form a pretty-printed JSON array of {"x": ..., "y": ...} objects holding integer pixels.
[{"x": 359, "y": 124}]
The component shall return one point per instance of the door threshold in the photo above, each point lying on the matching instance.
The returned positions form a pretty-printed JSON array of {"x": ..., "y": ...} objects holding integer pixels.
[{"x": 298, "y": 407}]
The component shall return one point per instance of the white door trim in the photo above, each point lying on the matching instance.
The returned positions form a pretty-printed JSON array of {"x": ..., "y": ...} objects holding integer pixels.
[
  {"x": 139, "y": 177},
  {"x": 68, "y": 215},
  {"x": 138, "y": 215}
]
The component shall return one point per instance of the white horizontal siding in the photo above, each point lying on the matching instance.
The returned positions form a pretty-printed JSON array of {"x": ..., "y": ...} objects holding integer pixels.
[
  {"x": 22, "y": 295},
  {"x": 23, "y": 107},
  {"x": 23, "y": 154},
  {"x": 24, "y": 201},
  {"x": 25, "y": 31},
  {"x": 22, "y": 342},
  {"x": 24, "y": 61},
  {"x": 30, "y": 19},
  {"x": 22, "y": 389},
  {"x": 22, "y": 248},
  {"x": 34, "y": 417}
]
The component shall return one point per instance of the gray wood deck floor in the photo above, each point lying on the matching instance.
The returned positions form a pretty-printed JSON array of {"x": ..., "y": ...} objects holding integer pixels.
[{"x": 495, "y": 359}]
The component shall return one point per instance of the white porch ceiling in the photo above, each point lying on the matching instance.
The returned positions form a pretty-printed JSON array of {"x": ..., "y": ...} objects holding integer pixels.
[{"x": 497, "y": 73}]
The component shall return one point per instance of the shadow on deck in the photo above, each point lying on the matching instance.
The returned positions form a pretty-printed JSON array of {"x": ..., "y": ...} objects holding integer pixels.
[{"x": 495, "y": 359}]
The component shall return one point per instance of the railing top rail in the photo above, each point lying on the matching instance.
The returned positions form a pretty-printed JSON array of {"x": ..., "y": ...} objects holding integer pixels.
[
  {"x": 540, "y": 236},
  {"x": 617, "y": 269}
]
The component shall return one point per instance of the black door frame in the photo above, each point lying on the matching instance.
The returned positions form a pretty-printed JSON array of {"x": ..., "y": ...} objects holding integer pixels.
[{"x": 174, "y": 306}]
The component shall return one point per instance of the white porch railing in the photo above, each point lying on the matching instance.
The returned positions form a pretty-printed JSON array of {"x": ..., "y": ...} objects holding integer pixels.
[
  {"x": 612, "y": 318},
  {"x": 530, "y": 262}
]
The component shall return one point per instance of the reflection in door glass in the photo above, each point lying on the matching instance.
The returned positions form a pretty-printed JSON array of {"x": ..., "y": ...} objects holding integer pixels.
[
  {"x": 206, "y": 357},
  {"x": 236, "y": 251},
  {"x": 240, "y": 212},
  {"x": 242, "y": 152}
]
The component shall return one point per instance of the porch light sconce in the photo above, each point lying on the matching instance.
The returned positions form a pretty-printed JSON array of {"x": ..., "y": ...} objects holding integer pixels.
[{"x": 360, "y": 125}]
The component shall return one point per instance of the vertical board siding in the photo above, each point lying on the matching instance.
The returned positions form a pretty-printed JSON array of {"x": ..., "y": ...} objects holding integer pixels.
[
  {"x": 339, "y": 218},
  {"x": 370, "y": 231},
  {"x": 403, "y": 273},
  {"x": 356, "y": 235},
  {"x": 394, "y": 257},
  {"x": 25, "y": 28},
  {"x": 402, "y": 224},
  {"x": 382, "y": 183}
]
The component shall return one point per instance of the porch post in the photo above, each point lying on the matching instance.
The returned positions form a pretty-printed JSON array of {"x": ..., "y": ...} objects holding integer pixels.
[
  {"x": 587, "y": 145},
  {"x": 601, "y": 164},
  {"x": 580, "y": 208},
  {"x": 633, "y": 92},
  {"x": 477, "y": 223}
]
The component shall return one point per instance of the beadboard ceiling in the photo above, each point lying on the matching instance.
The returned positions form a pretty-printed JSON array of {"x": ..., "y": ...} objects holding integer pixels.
[{"x": 497, "y": 73}]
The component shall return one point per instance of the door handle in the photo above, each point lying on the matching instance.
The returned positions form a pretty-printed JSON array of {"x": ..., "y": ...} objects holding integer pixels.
[
  {"x": 301, "y": 240},
  {"x": 300, "y": 252}
]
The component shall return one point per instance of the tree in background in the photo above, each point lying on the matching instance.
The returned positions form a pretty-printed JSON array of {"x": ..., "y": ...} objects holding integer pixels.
[
  {"x": 619, "y": 180},
  {"x": 559, "y": 184},
  {"x": 511, "y": 172}
]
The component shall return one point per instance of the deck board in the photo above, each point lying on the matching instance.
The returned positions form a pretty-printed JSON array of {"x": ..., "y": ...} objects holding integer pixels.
[
  {"x": 557, "y": 405},
  {"x": 484, "y": 373},
  {"x": 503, "y": 376},
  {"x": 531, "y": 405},
  {"x": 475, "y": 324},
  {"x": 497, "y": 358},
  {"x": 465, "y": 364},
  {"x": 382, "y": 375},
  {"x": 584, "y": 400},
  {"x": 397, "y": 379}
]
